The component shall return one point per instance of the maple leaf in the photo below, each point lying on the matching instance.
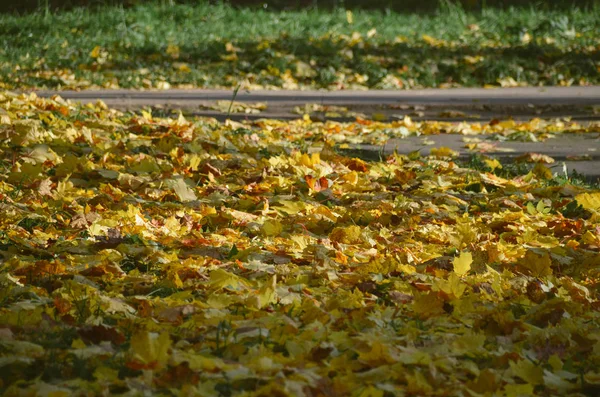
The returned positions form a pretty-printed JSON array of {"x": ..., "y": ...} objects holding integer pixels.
[
  {"x": 462, "y": 263},
  {"x": 535, "y": 158},
  {"x": 220, "y": 279},
  {"x": 454, "y": 286},
  {"x": 150, "y": 350},
  {"x": 182, "y": 190},
  {"x": 589, "y": 201},
  {"x": 538, "y": 264},
  {"x": 272, "y": 227},
  {"x": 315, "y": 184},
  {"x": 45, "y": 187},
  {"x": 190, "y": 249},
  {"x": 266, "y": 295},
  {"x": 443, "y": 152},
  {"x": 346, "y": 235},
  {"x": 428, "y": 304},
  {"x": 528, "y": 371}
]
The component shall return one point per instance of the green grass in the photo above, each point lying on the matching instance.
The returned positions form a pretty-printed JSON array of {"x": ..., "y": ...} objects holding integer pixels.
[{"x": 188, "y": 45}]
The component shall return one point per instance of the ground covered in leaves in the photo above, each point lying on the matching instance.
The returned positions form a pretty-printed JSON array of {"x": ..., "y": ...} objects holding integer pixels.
[
  {"x": 156, "y": 45},
  {"x": 144, "y": 255}
]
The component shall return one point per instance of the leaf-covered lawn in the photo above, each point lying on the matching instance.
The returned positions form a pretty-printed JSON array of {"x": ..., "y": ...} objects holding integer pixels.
[
  {"x": 189, "y": 257},
  {"x": 155, "y": 45}
]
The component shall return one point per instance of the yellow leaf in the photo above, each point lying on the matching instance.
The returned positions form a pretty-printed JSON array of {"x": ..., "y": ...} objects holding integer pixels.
[
  {"x": 528, "y": 371},
  {"x": 518, "y": 390},
  {"x": 346, "y": 235},
  {"x": 174, "y": 280},
  {"x": 147, "y": 115},
  {"x": 266, "y": 294},
  {"x": 349, "y": 17},
  {"x": 348, "y": 300},
  {"x": 272, "y": 227},
  {"x": 182, "y": 67},
  {"x": 41, "y": 154},
  {"x": 535, "y": 158},
  {"x": 541, "y": 171},
  {"x": 589, "y": 238},
  {"x": 163, "y": 85},
  {"x": 151, "y": 349},
  {"x": 428, "y": 304},
  {"x": 106, "y": 374},
  {"x": 537, "y": 264},
  {"x": 487, "y": 382},
  {"x": 78, "y": 344},
  {"x": 589, "y": 201},
  {"x": 469, "y": 343},
  {"x": 220, "y": 279},
  {"x": 454, "y": 286},
  {"x": 462, "y": 263},
  {"x": 173, "y": 51},
  {"x": 418, "y": 385},
  {"x": 95, "y": 53},
  {"x": 308, "y": 161},
  {"x": 493, "y": 163},
  {"x": 221, "y": 301},
  {"x": 443, "y": 152},
  {"x": 592, "y": 378},
  {"x": 183, "y": 191},
  {"x": 555, "y": 362},
  {"x": 290, "y": 207},
  {"x": 146, "y": 165},
  {"x": 351, "y": 178},
  {"x": 429, "y": 40},
  {"x": 378, "y": 355}
]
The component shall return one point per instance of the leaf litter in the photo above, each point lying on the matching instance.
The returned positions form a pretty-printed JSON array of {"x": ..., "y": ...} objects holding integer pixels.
[{"x": 145, "y": 255}]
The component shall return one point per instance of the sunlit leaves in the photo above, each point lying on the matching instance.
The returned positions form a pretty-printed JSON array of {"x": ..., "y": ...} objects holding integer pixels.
[
  {"x": 142, "y": 254},
  {"x": 453, "y": 286},
  {"x": 220, "y": 279},
  {"x": 346, "y": 235},
  {"x": 589, "y": 201}
]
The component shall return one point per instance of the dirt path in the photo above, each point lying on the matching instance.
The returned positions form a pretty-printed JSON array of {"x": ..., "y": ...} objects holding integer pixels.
[{"x": 462, "y": 104}]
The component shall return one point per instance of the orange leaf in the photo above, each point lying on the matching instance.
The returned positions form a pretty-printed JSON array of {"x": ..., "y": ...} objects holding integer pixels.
[{"x": 316, "y": 184}]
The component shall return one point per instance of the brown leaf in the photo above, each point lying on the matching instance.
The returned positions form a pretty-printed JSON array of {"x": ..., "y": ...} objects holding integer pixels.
[
  {"x": 405, "y": 176},
  {"x": 176, "y": 314},
  {"x": 400, "y": 297},
  {"x": 534, "y": 158},
  {"x": 100, "y": 333},
  {"x": 45, "y": 187},
  {"x": 357, "y": 165},
  {"x": 102, "y": 270},
  {"x": 79, "y": 221}
]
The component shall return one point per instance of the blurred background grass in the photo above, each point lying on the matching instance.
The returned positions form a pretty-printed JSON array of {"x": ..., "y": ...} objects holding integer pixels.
[
  {"x": 395, "y": 5},
  {"x": 209, "y": 44}
]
